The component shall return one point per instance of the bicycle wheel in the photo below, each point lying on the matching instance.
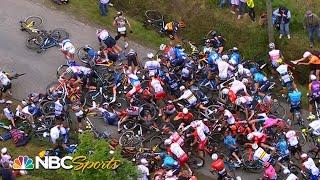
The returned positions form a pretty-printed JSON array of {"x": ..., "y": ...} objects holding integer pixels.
[
  {"x": 54, "y": 87},
  {"x": 35, "y": 20},
  {"x": 156, "y": 144},
  {"x": 34, "y": 42},
  {"x": 83, "y": 55},
  {"x": 120, "y": 104},
  {"x": 48, "y": 108},
  {"x": 211, "y": 112},
  {"x": 147, "y": 111},
  {"x": 93, "y": 96},
  {"x": 59, "y": 34},
  {"x": 127, "y": 139},
  {"x": 251, "y": 165},
  {"x": 61, "y": 69},
  {"x": 153, "y": 15}
]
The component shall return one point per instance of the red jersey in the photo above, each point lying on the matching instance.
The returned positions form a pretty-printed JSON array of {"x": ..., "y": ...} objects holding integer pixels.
[
  {"x": 217, "y": 165},
  {"x": 186, "y": 118}
]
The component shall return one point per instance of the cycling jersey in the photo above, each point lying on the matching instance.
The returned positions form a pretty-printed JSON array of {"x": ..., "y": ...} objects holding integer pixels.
[
  {"x": 176, "y": 150},
  {"x": 189, "y": 96},
  {"x": 261, "y": 154},
  {"x": 179, "y": 54},
  {"x": 92, "y": 53},
  {"x": 212, "y": 58},
  {"x": 270, "y": 173},
  {"x": 310, "y": 165},
  {"x": 58, "y": 108},
  {"x": 259, "y": 137},
  {"x": 103, "y": 35},
  {"x": 133, "y": 80},
  {"x": 236, "y": 86},
  {"x": 259, "y": 78},
  {"x": 133, "y": 110},
  {"x": 152, "y": 66},
  {"x": 229, "y": 141},
  {"x": 175, "y": 137},
  {"x": 80, "y": 70},
  {"x": 274, "y": 55},
  {"x": 244, "y": 100},
  {"x": 208, "y": 49},
  {"x": 169, "y": 53},
  {"x": 230, "y": 118},
  {"x": 186, "y": 73},
  {"x": 170, "y": 109},
  {"x": 171, "y": 82},
  {"x": 315, "y": 88},
  {"x": 282, "y": 147},
  {"x": 295, "y": 98},
  {"x": 292, "y": 138},
  {"x": 223, "y": 68},
  {"x": 4, "y": 79},
  {"x": 156, "y": 85},
  {"x": 168, "y": 161},
  {"x": 109, "y": 117},
  {"x": 8, "y": 113},
  {"x": 121, "y": 22},
  {"x": 67, "y": 46},
  {"x": 218, "y": 165},
  {"x": 235, "y": 58},
  {"x": 283, "y": 71}
]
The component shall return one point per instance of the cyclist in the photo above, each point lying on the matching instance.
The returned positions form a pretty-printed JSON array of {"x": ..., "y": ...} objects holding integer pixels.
[
  {"x": 286, "y": 77},
  {"x": 175, "y": 149},
  {"x": 261, "y": 83},
  {"x": 171, "y": 28},
  {"x": 260, "y": 154},
  {"x": 68, "y": 49},
  {"x": 168, "y": 52},
  {"x": 108, "y": 40},
  {"x": 295, "y": 103},
  {"x": 260, "y": 139},
  {"x": 217, "y": 166},
  {"x": 235, "y": 57},
  {"x": 293, "y": 142},
  {"x": 8, "y": 112},
  {"x": 216, "y": 41},
  {"x": 168, "y": 162},
  {"x": 309, "y": 167},
  {"x": 179, "y": 56},
  {"x": 121, "y": 22},
  {"x": 5, "y": 85},
  {"x": 224, "y": 68},
  {"x": 152, "y": 65},
  {"x": 92, "y": 54},
  {"x": 143, "y": 170},
  {"x": 59, "y": 108},
  {"x": 207, "y": 49},
  {"x": 269, "y": 171},
  {"x": 232, "y": 146},
  {"x": 80, "y": 73},
  {"x": 185, "y": 116},
  {"x": 132, "y": 58},
  {"x": 171, "y": 79},
  {"x": 134, "y": 81},
  {"x": 169, "y": 111},
  {"x": 275, "y": 55},
  {"x": 110, "y": 116},
  {"x": 156, "y": 88},
  {"x": 243, "y": 72},
  {"x": 236, "y": 88},
  {"x": 312, "y": 60},
  {"x": 314, "y": 93}
]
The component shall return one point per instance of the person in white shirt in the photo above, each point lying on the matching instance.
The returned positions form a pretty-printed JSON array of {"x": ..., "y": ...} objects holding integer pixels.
[
  {"x": 143, "y": 170},
  {"x": 55, "y": 134},
  {"x": 309, "y": 167},
  {"x": 223, "y": 68},
  {"x": 293, "y": 142},
  {"x": 7, "y": 111},
  {"x": 68, "y": 49},
  {"x": 152, "y": 65},
  {"x": 5, "y": 86}
]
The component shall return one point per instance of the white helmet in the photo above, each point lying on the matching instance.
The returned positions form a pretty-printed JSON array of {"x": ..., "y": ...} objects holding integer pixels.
[
  {"x": 214, "y": 156},
  {"x": 143, "y": 161},
  {"x": 290, "y": 134},
  {"x": 303, "y": 155},
  {"x": 167, "y": 142},
  {"x": 233, "y": 62},
  {"x": 150, "y": 55},
  {"x": 306, "y": 54},
  {"x": 250, "y": 136},
  {"x": 225, "y": 91},
  {"x": 162, "y": 47},
  {"x": 235, "y": 49},
  {"x": 225, "y": 57},
  {"x": 185, "y": 111},
  {"x": 182, "y": 88},
  {"x": 4, "y": 150},
  {"x": 272, "y": 45},
  {"x": 8, "y": 102},
  {"x": 313, "y": 77},
  {"x": 255, "y": 146},
  {"x": 240, "y": 69},
  {"x": 245, "y": 80}
]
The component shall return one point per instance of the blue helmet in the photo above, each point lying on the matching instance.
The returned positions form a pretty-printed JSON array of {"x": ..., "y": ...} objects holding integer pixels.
[{"x": 253, "y": 70}]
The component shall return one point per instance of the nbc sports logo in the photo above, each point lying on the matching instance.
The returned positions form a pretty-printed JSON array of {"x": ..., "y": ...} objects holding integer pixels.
[{"x": 23, "y": 162}]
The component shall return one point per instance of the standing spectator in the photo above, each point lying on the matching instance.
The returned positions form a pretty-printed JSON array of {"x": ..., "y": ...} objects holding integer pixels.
[
  {"x": 7, "y": 173},
  {"x": 252, "y": 13},
  {"x": 312, "y": 24},
  {"x": 234, "y": 6},
  {"x": 283, "y": 16},
  {"x": 103, "y": 6},
  {"x": 242, "y": 8}
]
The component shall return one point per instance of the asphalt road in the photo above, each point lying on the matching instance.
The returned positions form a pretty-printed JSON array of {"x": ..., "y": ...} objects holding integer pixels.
[{"x": 41, "y": 68}]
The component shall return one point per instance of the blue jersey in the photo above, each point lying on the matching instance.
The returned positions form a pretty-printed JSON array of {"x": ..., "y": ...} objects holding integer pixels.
[
  {"x": 92, "y": 54},
  {"x": 259, "y": 78},
  {"x": 168, "y": 161},
  {"x": 235, "y": 57},
  {"x": 282, "y": 147},
  {"x": 295, "y": 97},
  {"x": 229, "y": 141},
  {"x": 110, "y": 118},
  {"x": 212, "y": 57},
  {"x": 180, "y": 54}
]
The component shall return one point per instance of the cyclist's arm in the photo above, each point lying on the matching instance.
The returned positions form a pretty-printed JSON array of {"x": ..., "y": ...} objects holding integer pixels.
[
  {"x": 308, "y": 63},
  {"x": 129, "y": 25}
]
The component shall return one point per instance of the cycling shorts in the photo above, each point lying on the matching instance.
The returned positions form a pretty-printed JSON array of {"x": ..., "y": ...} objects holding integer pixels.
[
  {"x": 183, "y": 159},
  {"x": 294, "y": 108},
  {"x": 109, "y": 42},
  {"x": 202, "y": 145}
]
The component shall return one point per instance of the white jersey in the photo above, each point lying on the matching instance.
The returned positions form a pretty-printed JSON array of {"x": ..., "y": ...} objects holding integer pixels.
[
  {"x": 244, "y": 99},
  {"x": 201, "y": 133},
  {"x": 80, "y": 70},
  {"x": 189, "y": 96},
  {"x": 177, "y": 150},
  {"x": 133, "y": 80},
  {"x": 223, "y": 68},
  {"x": 283, "y": 71},
  {"x": 274, "y": 55},
  {"x": 262, "y": 155},
  {"x": 156, "y": 85},
  {"x": 236, "y": 86},
  {"x": 310, "y": 165},
  {"x": 292, "y": 177},
  {"x": 103, "y": 34},
  {"x": 152, "y": 66},
  {"x": 58, "y": 108},
  {"x": 68, "y": 46},
  {"x": 4, "y": 79},
  {"x": 292, "y": 138},
  {"x": 230, "y": 117},
  {"x": 8, "y": 113},
  {"x": 143, "y": 172}
]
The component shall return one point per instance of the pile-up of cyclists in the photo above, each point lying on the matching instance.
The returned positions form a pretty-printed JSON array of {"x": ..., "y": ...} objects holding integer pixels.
[{"x": 175, "y": 109}]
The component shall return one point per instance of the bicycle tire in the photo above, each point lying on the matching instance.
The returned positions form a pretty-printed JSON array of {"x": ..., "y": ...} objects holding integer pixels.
[
  {"x": 126, "y": 139},
  {"x": 36, "y": 19},
  {"x": 53, "y": 87},
  {"x": 82, "y": 55},
  {"x": 119, "y": 104},
  {"x": 93, "y": 96},
  {"x": 252, "y": 166},
  {"x": 59, "y": 34},
  {"x": 153, "y": 15},
  {"x": 34, "y": 42},
  {"x": 156, "y": 144},
  {"x": 61, "y": 69},
  {"x": 48, "y": 108},
  {"x": 149, "y": 107}
]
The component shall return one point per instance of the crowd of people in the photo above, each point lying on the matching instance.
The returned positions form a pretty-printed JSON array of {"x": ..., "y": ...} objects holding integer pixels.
[{"x": 209, "y": 102}]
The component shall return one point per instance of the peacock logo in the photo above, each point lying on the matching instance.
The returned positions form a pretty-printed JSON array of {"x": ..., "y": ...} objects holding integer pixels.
[{"x": 23, "y": 162}]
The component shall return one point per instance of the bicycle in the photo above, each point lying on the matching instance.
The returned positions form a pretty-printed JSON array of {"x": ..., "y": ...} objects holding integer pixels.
[
  {"x": 31, "y": 24},
  {"x": 91, "y": 128},
  {"x": 45, "y": 40}
]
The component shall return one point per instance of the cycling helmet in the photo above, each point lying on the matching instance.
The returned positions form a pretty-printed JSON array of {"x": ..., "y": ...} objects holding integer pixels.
[
  {"x": 255, "y": 146},
  {"x": 303, "y": 156},
  {"x": 213, "y": 33},
  {"x": 272, "y": 45},
  {"x": 119, "y": 13},
  {"x": 253, "y": 70},
  {"x": 8, "y": 102},
  {"x": 214, "y": 156},
  {"x": 306, "y": 54},
  {"x": 235, "y": 49},
  {"x": 290, "y": 134},
  {"x": 245, "y": 81},
  {"x": 162, "y": 47},
  {"x": 250, "y": 136},
  {"x": 150, "y": 55},
  {"x": 167, "y": 142},
  {"x": 178, "y": 46},
  {"x": 4, "y": 150},
  {"x": 185, "y": 111},
  {"x": 144, "y": 161},
  {"x": 225, "y": 91},
  {"x": 225, "y": 57},
  {"x": 313, "y": 77},
  {"x": 182, "y": 88}
]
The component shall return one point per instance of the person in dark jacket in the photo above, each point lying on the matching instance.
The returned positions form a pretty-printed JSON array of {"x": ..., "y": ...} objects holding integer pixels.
[
  {"x": 283, "y": 18},
  {"x": 7, "y": 172},
  {"x": 312, "y": 24}
]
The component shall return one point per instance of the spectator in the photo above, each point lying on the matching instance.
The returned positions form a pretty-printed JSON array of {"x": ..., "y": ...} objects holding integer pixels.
[
  {"x": 5, "y": 157},
  {"x": 55, "y": 134},
  {"x": 103, "y": 6},
  {"x": 283, "y": 16},
  {"x": 7, "y": 111},
  {"x": 234, "y": 6},
  {"x": 242, "y": 8},
  {"x": 312, "y": 24},
  {"x": 6, "y": 172},
  {"x": 252, "y": 13}
]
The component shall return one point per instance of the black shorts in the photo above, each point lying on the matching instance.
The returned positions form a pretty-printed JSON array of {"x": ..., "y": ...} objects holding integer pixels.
[
  {"x": 315, "y": 66},
  {"x": 5, "y": 88},
  {"x": 132, "y": 60},
  {"x": 295, "y": 149},
  {"x": 109, "y": 42},
  {"x": 121, "y": 34},
  {"x": 295, "y": 108}
]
